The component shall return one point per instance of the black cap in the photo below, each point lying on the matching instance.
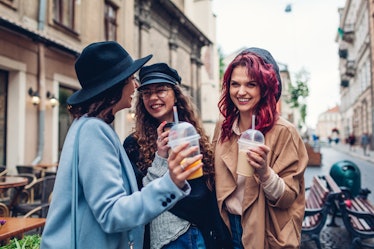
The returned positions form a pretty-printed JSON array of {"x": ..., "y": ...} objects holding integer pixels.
[{"x": 158, "y": 73}]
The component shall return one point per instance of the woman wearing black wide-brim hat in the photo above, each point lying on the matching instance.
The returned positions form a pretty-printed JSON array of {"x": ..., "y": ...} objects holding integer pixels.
[{"x": 96, "y": 202}]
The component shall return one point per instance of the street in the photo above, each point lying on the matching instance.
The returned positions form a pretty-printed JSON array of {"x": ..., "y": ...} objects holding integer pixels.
[{"x": 338, "y": 237}]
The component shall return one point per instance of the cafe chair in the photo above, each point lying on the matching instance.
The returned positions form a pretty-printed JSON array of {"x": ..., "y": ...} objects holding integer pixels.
[
  {"x": 28, "y": 169},
  {"x": 3, "y": 194},
  {"x": 4, "y": 210},
  {"x": 36, "y": 212},
  {"x": 42, "y": 189},
  {"x": 27, "y": 194},
  {"x": 3, "y": 170},
  {"x": 7, "y": 196}
]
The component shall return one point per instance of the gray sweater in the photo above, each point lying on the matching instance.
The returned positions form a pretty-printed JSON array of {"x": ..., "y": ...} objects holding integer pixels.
[{"x": 166, "y": 227}]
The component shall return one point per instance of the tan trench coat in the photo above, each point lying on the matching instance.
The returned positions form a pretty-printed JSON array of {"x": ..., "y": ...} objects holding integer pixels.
[{"x": 266, "y": 224}]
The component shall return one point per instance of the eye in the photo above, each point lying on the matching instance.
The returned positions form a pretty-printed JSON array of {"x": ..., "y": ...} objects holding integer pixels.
[
  {"x": 234, "y": 84},
  {"x": 252, "y": 84},
  {"x": 161, "y": 90},
  {"x": 146, "y": 93}
]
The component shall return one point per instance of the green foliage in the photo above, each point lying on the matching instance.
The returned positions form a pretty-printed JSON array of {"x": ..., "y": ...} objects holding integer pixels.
[
  {"x": 299, "y": 92},
  {"x": 221, "y": 63},
  {"x": 28, "y": 242},
  {"x": 303, "y": 112}
]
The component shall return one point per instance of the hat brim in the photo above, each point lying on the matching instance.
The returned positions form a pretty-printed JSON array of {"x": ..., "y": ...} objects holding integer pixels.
[
  {"x": 156, "y": 81},
  {"x": 84, "y": 95}
]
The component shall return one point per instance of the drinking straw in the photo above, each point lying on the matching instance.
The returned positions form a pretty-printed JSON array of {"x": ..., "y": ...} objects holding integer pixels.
[
  {"x": 253, "y": 126},
  {"x": 176, "y": 120}
]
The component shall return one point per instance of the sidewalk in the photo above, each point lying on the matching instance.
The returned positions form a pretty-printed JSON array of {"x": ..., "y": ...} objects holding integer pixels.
[{"x": 356, "y": 151}]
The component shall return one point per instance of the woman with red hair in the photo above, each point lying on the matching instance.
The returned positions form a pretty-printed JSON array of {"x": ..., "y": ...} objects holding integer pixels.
[{"x": 264, "y": 210}]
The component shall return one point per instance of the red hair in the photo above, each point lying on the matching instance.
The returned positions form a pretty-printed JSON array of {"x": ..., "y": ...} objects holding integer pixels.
[{"x": 265, "y": 75}]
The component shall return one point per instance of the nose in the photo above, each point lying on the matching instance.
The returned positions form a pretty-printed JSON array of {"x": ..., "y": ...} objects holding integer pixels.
[
  {"x": 153, "y": 94},
  {"x": 136, "y": 84},
  {"x": 242, "y": 90}
]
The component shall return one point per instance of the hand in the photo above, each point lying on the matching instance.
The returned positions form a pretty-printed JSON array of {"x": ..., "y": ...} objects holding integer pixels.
[
  {"x": 257, "y": 158},
  {"x": 162, "y": 141},
  {"x": 177, "y": 172}
]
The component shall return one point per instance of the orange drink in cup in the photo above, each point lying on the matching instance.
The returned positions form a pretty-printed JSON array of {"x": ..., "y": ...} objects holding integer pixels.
[
  {"x": 185, "y": 132},
  {"x": 198, "y": 173}
]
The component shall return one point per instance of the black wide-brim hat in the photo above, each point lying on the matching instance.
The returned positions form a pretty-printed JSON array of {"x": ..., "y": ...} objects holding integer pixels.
[{"x": 101, "y": 66}]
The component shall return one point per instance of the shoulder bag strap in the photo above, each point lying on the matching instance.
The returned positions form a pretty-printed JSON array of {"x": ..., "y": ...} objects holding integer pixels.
[{"x": 74, "y": 203}]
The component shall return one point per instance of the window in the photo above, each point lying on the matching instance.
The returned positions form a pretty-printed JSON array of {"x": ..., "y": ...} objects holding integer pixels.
[
  {"x": 64, "y": 117},
  {"x": 3, "y": 114},
  {"x": 110, "y": 21},
  {"x": 64, "y": 13}
]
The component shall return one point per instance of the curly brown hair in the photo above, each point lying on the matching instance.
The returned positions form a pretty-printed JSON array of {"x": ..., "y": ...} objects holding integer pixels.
[{"x": 146, "y": 133}]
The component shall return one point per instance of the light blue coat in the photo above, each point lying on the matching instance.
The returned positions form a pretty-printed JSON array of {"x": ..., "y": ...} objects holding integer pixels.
[{"x": 109, "y": 204}]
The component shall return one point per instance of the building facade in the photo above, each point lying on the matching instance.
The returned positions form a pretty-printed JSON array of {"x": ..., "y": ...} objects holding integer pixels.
[
  {"x": 41, "y": 39},
  {"x": 329, "y": 125},
  {"x": 355, "y": 39}
]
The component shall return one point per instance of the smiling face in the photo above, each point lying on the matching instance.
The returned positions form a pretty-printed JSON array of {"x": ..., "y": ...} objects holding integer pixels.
[
  {"x": 127, "y": 94},
  {"x": 244, "y": 91},
  {"x": 159, "y": 100}
]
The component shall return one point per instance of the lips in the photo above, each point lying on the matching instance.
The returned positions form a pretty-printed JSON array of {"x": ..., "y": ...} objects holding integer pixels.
[
  {"x": 156, "y": 106},
  {"x": 243, "y": 100}
]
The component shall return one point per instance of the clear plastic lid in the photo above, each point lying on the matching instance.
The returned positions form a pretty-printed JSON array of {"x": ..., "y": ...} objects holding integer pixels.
[
  {"x": 251, "y": 136},
  {"x": 182, "y": 132}
]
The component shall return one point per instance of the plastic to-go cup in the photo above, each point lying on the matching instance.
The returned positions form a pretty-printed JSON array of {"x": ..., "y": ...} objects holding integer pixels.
[
  {"x": 249, "y": 139},
  {"x": 168, "y": 126},
  {"x": 185, "y": 132}
]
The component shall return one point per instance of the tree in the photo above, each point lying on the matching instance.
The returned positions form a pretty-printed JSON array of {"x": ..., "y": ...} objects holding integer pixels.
[
  {"x": 221, "y": 63},
  {"x": 299, "y": 92}
]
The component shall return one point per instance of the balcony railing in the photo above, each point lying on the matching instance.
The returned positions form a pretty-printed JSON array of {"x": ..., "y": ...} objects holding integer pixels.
[
  {"x": 350, "y": 69},
  {"x": 347, "y": 33}
]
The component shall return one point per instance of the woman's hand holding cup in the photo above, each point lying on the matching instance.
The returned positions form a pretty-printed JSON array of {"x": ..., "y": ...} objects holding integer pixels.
[
  {"x": 179, "y": 158},
  {"x": 163, "y": 140}
]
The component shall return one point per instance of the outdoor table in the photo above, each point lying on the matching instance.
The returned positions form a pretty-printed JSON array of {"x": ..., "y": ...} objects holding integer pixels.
[
  {"x": 17, "y": 182},
  {"x": 16, "y": 226},
  {"x": 43, "y": 167}
]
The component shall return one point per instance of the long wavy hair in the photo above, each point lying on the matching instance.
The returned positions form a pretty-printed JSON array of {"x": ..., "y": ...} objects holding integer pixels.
[
  {"x": 146, "y": 133},
  {"x": 100, "y": 106},
  {"x": 265, "y": 110}
]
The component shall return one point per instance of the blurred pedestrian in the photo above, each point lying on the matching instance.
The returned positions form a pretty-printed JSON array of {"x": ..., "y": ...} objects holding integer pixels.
[
  {"x": 365, "y": 143},
  {"x": 190, "y": 224},
  {"x": 264, "y": 210},
  {"x": 96, "y": 202},
  {"x": 352, "y": 141}
]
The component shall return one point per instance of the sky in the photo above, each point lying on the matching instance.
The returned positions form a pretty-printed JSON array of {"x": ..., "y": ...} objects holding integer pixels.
[{"x": 304, "y": 38}]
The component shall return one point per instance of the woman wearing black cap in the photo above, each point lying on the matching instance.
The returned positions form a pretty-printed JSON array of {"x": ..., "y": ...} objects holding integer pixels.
[
  {"x": 96, "y": 202},
  {"x": 191, "y": 220},
  {"x": 264, "y": 210}
]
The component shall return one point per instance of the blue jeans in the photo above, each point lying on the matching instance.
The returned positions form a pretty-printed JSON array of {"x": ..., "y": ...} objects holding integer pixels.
[
  {"x": 237, "y": 231},
  {"x": 192, "y": 239}
]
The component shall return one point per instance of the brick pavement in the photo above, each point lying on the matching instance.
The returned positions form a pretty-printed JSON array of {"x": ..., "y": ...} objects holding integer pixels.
[{"x": 331, "y": 237}]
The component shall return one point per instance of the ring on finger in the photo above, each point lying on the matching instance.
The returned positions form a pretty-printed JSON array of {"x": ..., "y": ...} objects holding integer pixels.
[
  {"x": 159, "y": 139},
  {"x": 182, "y": 166}
]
